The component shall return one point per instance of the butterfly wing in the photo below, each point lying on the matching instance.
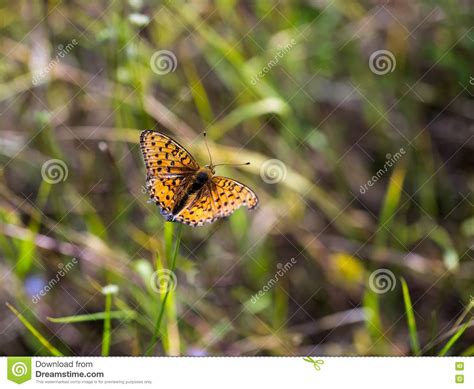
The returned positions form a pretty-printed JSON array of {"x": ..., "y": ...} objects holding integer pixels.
[
  {"x": 164, "y": 156},
  {"x": 229, "y": 195},
  {"x": 170, "y": 169},
  {"x": 168, "y": 192},
  {"x": 220, "y": 197}
]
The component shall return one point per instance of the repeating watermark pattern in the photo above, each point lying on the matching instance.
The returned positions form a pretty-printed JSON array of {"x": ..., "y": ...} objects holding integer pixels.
[
  {"x": 63, "y": 51},
  {"x": 63, "y": 270},
  {"x": 282, "y": 270},
  {"x": 390, "y": 161},
  {"x": 163, "y": 62},
  {"x": 54, "y": 171},
  {"x": 273, "y": 171},
  {"x": 382, "y": 62},
  {"x": 316, "y": 362},
  {"x": 19, "y": 369},
  {"x": 382, "y": 281},
  {"x": 273, "y": 62},
  {"x": 163, "y": 280}
]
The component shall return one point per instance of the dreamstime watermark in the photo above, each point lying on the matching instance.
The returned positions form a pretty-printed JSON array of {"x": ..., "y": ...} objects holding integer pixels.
[
  {"x": 19, "y": 369},
  {"x": 382, "y": 62},
  {"x": 282, "y": 270},
  {"x": 54, "y": 171},
  {"x": 382, "y": 281},
  {"x": 63, "y": 270},
  {"x": 273, "y": 171},
  {"x": 63, "y": 50},
  {"x": 163, "y": 62},
  {"x": 273, "y": 62},
  {"x": 390, "y": 161},
  {"x": 163, "y": 280}
]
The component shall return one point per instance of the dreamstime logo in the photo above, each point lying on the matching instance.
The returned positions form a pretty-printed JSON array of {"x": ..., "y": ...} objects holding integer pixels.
[
  {"x": 63, "y": 50},
  {"x": 390, "y": 161},
  {"x": 382, "y": 62},
  {"x": 163, "y": 280},
  {"x": 273, "y": 171},
  {"x": 382, "y": 281},
  {"x": 163, "y": 62},
  {"x": 282, "y": 270},
  {"x": 19, "y": 369},
  {"x": 54, "y": 171}
]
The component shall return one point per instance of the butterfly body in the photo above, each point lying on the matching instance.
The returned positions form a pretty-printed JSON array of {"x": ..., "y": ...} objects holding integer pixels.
[
  {"x": 184, "y": 191},
  {"x": 197, "y": 182}
]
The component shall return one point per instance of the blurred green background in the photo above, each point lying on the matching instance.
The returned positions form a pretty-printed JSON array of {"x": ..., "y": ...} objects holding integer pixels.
[{"x": 357, "y": 118}]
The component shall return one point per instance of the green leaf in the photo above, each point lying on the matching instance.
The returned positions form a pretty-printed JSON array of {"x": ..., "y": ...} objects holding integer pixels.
[
  {"x": 53, "y": 350},
  {"x": 241, "y": 114},
  {"x": 106, "y": 334},
  {"x": 123, "y": 315},
  {"x": 168, "y": 238},
  {"x": 453, "y": 339},
  {"x": 391, "y": 202},
  {"x": 415, "y": 344}
]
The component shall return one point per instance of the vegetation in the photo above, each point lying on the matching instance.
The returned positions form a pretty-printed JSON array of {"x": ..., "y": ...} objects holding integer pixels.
[{"x": 357, "y": 118}]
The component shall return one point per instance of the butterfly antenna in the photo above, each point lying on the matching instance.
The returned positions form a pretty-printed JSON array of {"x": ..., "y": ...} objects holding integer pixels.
[
  {"x": 208, "y": 151},
  {"x": 232, "y": 164}
]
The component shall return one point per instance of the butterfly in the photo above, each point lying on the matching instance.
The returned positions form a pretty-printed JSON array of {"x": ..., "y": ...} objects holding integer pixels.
[{"x": 184, "y": 191}]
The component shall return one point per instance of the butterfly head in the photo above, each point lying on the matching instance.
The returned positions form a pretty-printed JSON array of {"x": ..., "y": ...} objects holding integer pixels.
[{"x": 205, "y": 173}]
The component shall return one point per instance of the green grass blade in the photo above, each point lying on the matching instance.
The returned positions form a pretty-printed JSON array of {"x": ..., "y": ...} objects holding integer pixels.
[
  {"x": 269, "y": 105},
  {"x": 469, "y": 352},
  {"x": 227, "y": 50},
  {"x": 390, "y": 203},
  {"x": 201, "y": 99},
  {"x": 121, "y": 315},
  {"x": 453, "y": 339},
  {"x": 53, "y": 350},
  {"x": 442, "y": 238},
  {"x": 159, "y": 319},
  {"x": 415, "y": 344},
  {"x": 374, "y": 324},
  {"x": 109, "y": 290}
]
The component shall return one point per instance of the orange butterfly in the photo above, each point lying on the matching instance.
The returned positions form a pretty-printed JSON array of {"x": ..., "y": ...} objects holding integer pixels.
[{"x": 184, "y": 191}]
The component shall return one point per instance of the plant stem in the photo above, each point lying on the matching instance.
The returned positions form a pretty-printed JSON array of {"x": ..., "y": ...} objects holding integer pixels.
[
  {"x": 106, "y": 333},
  {"x": 415, "y": 343},
  {"x": 156, "y": 332}
]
